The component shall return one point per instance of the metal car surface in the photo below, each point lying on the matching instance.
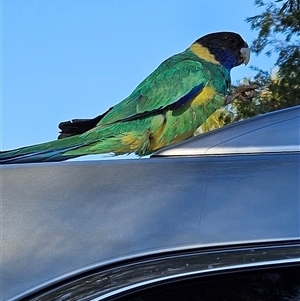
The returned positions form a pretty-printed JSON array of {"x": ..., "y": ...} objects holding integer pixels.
[{"x": 63, "y": 220}]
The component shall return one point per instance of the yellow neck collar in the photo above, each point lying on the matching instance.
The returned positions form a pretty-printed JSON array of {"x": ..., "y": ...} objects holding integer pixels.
[{"x": 203, "y": 53}]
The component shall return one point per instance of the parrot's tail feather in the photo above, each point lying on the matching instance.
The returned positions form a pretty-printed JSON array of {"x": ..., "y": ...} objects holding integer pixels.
[
  {"x": 44, "y": 156},
  {"x": 44, "y": 152},
  {"x": 78, "y": 126}
]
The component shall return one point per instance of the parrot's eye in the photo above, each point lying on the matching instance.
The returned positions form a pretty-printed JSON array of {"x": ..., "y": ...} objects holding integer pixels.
[{"x": 231, "y": 40}]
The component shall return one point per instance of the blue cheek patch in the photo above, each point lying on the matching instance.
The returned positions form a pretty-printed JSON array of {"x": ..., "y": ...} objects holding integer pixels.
[{"x": 226, "y": 58}]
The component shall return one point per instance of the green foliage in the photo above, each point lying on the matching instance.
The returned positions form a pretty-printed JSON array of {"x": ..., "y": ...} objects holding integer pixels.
[
  {"x": 278, "y": 32},
  {"x": 275, "y": 20}
]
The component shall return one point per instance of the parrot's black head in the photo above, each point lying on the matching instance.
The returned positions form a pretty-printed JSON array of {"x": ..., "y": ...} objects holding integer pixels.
[{"x": 228, "y": 48}]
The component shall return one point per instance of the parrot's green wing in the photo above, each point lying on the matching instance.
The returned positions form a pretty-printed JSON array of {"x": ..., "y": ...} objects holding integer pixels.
[{"x": 173, "y": 83}]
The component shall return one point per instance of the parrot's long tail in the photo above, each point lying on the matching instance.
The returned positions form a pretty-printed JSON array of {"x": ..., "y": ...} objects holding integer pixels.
[
  {"x": 45, "y": 152},
  {"x": 59, "y": 150},
  {"x": 118, "y": 139}
]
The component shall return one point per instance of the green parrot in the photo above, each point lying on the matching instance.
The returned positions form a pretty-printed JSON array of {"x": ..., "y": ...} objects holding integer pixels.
[{"x": 165, "y": 108}]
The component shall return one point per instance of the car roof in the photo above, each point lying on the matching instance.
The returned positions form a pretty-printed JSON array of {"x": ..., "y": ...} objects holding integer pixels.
[
  {"x": 62, "y": 218},
  {"x": 272, "y": 132}
]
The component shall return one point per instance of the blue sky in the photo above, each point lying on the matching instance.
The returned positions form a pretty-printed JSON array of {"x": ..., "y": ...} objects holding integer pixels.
[{"x": 74, "y": 59}]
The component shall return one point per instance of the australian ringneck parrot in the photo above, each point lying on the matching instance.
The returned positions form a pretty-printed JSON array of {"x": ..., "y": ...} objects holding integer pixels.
[{"x": 165, "y": 108}]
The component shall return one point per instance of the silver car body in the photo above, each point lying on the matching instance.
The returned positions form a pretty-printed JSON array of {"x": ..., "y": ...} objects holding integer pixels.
[{"x": 235, "y": 186}]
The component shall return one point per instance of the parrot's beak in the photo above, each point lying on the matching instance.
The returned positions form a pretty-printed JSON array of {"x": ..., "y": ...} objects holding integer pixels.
[{"x": 245, "y": 55}]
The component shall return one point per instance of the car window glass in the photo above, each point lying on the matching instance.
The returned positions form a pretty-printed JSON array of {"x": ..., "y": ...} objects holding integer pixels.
[{"x": 281, "y": 285}]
